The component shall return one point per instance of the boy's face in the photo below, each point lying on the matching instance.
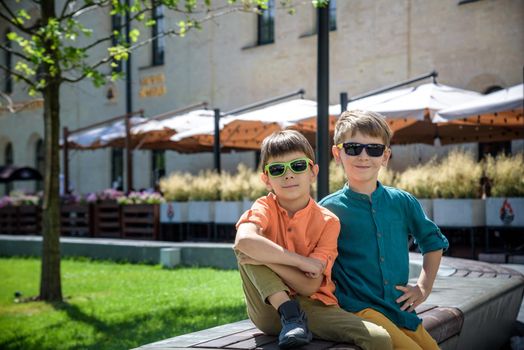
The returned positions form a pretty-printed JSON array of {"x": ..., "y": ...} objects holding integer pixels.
[
  {"x": 290, "y": 186},
  {"x": 361, "y": 168}
]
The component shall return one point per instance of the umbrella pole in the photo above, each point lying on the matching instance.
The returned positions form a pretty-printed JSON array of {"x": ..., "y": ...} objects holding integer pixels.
[
  {"x": 129, "y": 155},
  {"x": 323, "y": 101},
  {"x": 216, "y": 141},
  {"x": 65, "y": 150}
]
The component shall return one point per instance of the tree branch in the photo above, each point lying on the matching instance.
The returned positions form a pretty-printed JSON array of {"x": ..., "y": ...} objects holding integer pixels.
[
  {"x": 12, "y": 19},
  {"x": 16, "y": 53},
  {"x": 19, "y": 76},
  {"x": 64, "y": 8},
  {"x": 84, "y": 9}
]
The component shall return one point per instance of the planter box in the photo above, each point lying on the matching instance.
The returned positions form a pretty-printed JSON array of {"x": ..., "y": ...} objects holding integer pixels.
[
  {"x": 24, "y": 219},
  {"x": 200, "y": 211},
  {"x": 228, "y": 212},
  {"x": 247, "y": 204},
  {"x": 173, "y": 212},
  {"x": 140, "y": 221},
  {"x": 107, "y": 219},
  {"x": 459, "y": 212},
  {"x": 505, "y": 212},
  {"x": 76, "y": 220},
  {"x": 427, "y": 205}
]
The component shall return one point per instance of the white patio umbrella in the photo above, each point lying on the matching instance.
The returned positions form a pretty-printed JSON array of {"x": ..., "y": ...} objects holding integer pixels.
[
  {"x": 419, "y": 102},
  {"x": 247, "y": 130},
  {"x": 506, "y": 100},
  {"x": 96, "y": 137},
  {"x": 156, "y": 134},
  {"x": 412, "y": 112}
]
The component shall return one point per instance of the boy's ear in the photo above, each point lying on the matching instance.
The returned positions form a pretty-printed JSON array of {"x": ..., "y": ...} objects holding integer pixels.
[
  {"x": 336, "y": 154},
  {"x": 386, "y": 156},
  {"x": 315, "y": 169},
  {"x": 265, "y": 180}
]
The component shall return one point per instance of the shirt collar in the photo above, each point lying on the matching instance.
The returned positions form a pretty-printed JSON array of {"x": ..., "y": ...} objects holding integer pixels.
[
  {"x": 300, "y": 213},
  {"x": 363, "y": 197}
]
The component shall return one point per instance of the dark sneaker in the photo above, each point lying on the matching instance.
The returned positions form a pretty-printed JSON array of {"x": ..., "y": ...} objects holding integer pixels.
[{"x": 294, "y": 332}]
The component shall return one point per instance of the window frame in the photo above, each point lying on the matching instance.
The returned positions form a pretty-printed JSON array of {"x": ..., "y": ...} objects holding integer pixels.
[
  {"x": 266, "y": 25},
  {"x": 39, "y": 162},
  {"x": 117, "y": 170},
  {"x": 158, "y": 44},
  {"x": 8, "y": 60},
  {"x": 158, "y": 166}
]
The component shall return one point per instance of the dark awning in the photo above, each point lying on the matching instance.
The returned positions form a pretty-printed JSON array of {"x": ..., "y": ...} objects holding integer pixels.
[{"x": 10, "y": 173}]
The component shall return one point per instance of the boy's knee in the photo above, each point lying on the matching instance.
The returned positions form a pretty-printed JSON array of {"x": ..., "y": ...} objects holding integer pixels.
[{"x": 379, "y": 339}]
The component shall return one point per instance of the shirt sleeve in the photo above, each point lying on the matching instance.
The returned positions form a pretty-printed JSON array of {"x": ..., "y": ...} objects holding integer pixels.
[
  {"x": 259, "y": 214},
  {"x": 326, "y": 248},
  {"x": 426, "y": 233}
]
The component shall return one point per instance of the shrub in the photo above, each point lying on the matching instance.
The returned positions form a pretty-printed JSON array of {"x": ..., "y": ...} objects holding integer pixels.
[{"x": 506, "y": 174}]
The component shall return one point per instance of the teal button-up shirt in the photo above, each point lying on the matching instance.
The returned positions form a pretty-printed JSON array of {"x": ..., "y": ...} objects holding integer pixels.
[{"x": 373, "y": 254}]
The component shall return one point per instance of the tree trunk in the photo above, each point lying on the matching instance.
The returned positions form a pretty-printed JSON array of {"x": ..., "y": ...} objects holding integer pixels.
[{"x": 50, "y": 285}]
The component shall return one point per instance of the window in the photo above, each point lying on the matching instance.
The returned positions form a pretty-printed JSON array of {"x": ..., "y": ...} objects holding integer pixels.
[
  {"x": 493, "y": 148},
  {"x": 8, "y": 156},
  {"x": 158, "y": 43},
  {"x": 116, "y": 26},
  {"x": 266, "y": 24},
  {"x": 332, "y": 16},
  {"x": 8, "y": 58},
  {"x": 158, "y": 166},
  {"x": 117, "y": 168},
  {"x": 39, "y": 162}
]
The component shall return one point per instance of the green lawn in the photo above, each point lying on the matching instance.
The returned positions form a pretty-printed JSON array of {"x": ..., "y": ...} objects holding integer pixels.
[{"x": 114, "y": 306}]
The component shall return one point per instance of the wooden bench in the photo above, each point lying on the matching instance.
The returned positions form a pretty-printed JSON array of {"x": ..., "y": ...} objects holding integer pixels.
[{"x": 473, "y": 306}]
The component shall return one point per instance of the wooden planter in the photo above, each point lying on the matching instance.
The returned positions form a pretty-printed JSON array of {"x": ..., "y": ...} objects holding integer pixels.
[
  {"x": 141, "y": 221},
  {"x": 21, "y": 220},
  {"x": 107, "y": 219},
  {"x": 76, "y": 220}
]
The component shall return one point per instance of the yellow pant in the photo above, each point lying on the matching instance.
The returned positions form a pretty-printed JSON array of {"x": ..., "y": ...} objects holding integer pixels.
[{"x": 403, "y": 339}]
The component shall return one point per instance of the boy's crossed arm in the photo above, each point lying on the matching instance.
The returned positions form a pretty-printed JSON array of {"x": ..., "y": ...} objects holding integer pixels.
[{"x": 302, "y": 274}]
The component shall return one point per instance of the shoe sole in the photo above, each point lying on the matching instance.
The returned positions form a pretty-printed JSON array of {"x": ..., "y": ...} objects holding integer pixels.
[{"x": 292, "y": 342}]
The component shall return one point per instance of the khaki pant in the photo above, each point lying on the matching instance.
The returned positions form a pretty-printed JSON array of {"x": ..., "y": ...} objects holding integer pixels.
[
  {"x": 403, "y": 339},
  {"x": 326, "y": 322}
]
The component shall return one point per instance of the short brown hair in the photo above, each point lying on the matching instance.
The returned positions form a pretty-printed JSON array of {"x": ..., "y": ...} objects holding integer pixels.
[
  {"x": 366, "y": 122},
  {"x": 284, "y": 142}
]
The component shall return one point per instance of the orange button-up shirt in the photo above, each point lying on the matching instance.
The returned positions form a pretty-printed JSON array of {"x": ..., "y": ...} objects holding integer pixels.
[{"x": 312, "y": 232}]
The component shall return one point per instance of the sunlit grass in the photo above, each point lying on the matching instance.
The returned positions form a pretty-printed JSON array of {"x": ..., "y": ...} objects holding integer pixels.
[{"x": 114, "y": 306}]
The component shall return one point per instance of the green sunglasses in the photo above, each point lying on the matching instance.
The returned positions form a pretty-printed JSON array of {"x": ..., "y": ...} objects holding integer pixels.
[{"x": 297, "y": 166}]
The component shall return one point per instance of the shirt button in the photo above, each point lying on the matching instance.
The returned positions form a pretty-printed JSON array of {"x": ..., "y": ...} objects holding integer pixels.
[
  {"x": 379, "y": 235},
  {"x": 374, "y": 211},
  {"x": 386, "y": 282},
  {"x": 381, "y": 259},
  {"x": 289, "y": 229}
]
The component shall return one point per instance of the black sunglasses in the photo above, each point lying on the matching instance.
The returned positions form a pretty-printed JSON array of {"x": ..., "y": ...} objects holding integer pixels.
[{"x": 354, "y": 148}]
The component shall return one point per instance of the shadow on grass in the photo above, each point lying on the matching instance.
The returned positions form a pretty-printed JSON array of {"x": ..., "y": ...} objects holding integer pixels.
[{"x": 138, "y": 330}]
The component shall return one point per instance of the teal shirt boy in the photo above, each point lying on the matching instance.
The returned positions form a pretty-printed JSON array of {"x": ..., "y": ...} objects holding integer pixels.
[{"x": 373, "y": 248}]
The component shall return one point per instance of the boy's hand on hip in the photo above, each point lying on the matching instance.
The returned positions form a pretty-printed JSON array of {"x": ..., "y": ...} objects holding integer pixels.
[{"x": 413, "y": 296}]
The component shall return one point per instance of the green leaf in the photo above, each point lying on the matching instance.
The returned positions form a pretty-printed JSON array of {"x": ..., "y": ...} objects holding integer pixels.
[{"x": 134, "y": 34}]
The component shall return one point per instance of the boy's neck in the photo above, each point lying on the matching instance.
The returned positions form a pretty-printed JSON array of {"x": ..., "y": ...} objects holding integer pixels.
[
  {"x": 292, "y": 206},
  {"x": 363, "y": 187}
]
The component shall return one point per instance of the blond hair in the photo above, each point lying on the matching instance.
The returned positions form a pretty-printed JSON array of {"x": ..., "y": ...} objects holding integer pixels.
[{"x": 366, "y": 122}]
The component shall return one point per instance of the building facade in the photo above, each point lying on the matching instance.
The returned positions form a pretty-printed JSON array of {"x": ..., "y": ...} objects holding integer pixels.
[{"x": 241, "y": 58}]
